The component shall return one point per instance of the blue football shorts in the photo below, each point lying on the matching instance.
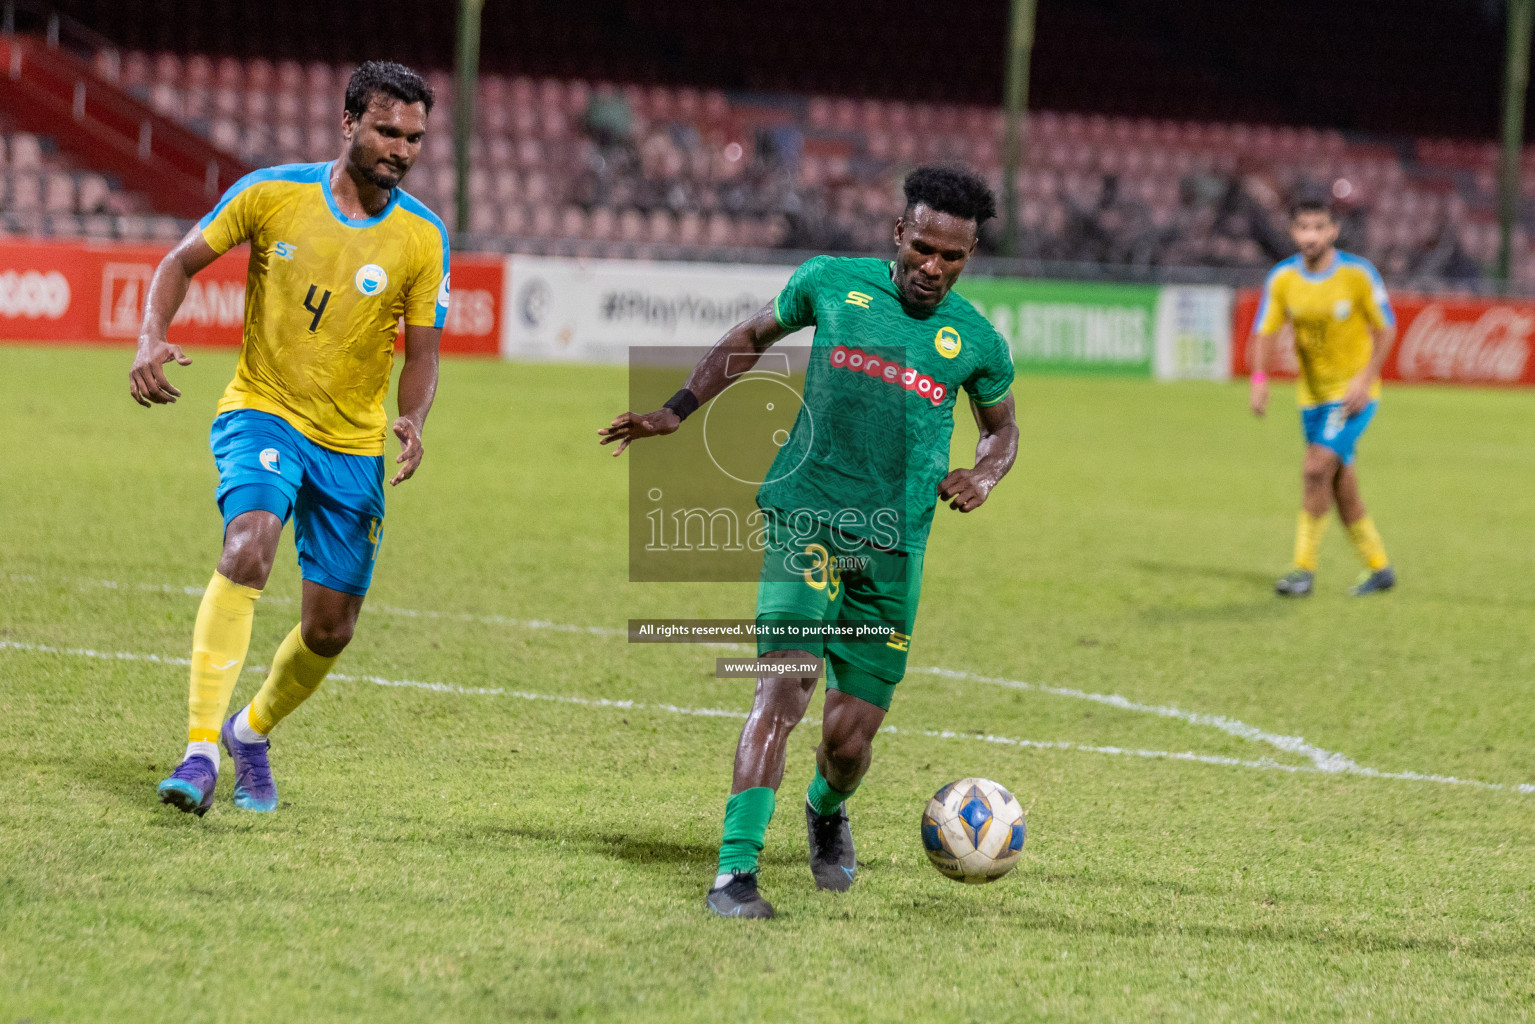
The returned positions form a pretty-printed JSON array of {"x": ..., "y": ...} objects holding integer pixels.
[
  {"x": 1326, "y": 425},
  {"x": 336, "y": 500}
]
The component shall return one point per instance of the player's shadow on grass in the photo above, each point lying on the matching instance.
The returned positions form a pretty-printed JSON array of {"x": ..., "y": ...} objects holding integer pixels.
[
  {"x": 1262, "y": 580},
  {"x": 1262, "y": 606},
  {"x": 1242, "y": 611},
  {"x": 640, "y": 848},
  {"x": 128, "y": 781}
]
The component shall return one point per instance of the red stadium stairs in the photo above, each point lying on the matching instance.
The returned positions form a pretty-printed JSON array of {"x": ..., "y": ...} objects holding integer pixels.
[{"x": 48, "y": 90}]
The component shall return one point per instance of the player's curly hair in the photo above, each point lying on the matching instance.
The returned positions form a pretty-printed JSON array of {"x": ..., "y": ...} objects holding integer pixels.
[
  {"x": 951, "y": 190},
  {"x": 385, "y": 76},
  {"x": 1311, "y": 204}
]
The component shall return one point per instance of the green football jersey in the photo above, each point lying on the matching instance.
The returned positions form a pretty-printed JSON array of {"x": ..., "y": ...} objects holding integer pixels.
[{"x": 871, "y": 441}]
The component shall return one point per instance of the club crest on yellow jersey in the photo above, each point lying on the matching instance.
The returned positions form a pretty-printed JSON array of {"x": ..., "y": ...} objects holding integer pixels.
[{"x": 371, "y": 279}]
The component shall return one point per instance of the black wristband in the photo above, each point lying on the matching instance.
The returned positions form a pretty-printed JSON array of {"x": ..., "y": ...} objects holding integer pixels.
[{"x": 684, "y": 403}]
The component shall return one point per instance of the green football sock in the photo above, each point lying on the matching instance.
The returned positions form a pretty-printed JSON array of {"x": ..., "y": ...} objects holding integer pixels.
[
  {"x": 822, "y": 798},
  {"x": 746, "y": 821}
]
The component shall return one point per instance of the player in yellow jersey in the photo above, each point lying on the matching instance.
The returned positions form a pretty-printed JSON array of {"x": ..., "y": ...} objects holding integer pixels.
[
  {"x": 339, "y": 254},
  {"x": 1337, "y": 307}
]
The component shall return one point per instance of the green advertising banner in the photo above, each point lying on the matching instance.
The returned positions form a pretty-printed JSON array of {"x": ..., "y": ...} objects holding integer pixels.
[{"x": 1071, "y": 327}]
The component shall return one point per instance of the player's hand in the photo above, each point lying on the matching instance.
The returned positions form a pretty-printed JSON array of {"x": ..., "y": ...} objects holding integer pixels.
[
  {"x": 964, "y": 489},
  {"x": 1358, "y": 395},
  {"x": 629, "y": 427},
  {"x": 410, "y": 449},
  {"x": 146, "y": 381},
  {"x": 1258, "y": 396}
]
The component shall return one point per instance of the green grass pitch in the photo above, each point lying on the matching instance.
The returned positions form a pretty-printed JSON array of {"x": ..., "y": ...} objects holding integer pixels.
[{"x": 449, "y": 855}]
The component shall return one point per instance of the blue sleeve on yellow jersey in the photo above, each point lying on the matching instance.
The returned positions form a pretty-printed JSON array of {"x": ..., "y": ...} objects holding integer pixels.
[
  {"x": 426, "y": 301},
  {"x": 1271, "y": 314},
  {"x": 1378, "y": 304},
  {"x": 235, "y": 217}
]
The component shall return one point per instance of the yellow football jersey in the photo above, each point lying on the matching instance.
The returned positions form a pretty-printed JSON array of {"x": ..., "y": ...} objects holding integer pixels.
[
  {"x": 1332, "y": 312},
  {"x": 323, "y": 300}
]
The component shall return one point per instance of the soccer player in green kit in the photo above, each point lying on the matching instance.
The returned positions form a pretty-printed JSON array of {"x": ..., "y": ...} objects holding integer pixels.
[{"x": 850, "y": 500}]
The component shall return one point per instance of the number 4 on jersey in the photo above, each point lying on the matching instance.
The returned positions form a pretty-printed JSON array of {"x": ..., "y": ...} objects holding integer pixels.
[{"x": 314, "y": 325}]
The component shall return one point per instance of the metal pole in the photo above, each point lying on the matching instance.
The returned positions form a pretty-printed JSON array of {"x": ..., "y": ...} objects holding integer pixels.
[
  {"x": 467, "y": 65},
  {"x": 1516, "y": 78},
  {"x": 1015, "y": 102}
]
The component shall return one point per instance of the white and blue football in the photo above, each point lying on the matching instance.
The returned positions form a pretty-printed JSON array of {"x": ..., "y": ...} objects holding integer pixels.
[{"x": 973, "y": 831}]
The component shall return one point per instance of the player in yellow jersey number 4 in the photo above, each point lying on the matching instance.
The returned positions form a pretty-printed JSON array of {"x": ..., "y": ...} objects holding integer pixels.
[
  {"x": 1337, "y": 306},
  {"x": 339, "y": 253}
]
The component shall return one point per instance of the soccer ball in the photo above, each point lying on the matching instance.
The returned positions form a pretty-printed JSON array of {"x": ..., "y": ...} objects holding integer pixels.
[{"x": 973, "y": 831}]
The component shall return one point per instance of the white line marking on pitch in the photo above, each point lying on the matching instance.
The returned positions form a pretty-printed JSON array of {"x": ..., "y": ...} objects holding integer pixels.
[
  {"x": 1263, "y": 764},
  {"x": 1321, "y": 759}
]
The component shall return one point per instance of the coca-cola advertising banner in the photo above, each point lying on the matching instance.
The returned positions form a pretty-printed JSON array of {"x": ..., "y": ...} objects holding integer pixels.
[
  {"x": 80, "y": 293},
  {"x": 1450, "y": 339}
]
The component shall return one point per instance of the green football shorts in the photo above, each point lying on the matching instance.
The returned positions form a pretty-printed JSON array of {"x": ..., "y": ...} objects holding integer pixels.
[{"x": 814, "y": 574}]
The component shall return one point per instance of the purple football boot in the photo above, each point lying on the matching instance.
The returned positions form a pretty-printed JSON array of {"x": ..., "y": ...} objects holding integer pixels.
[
  {"x": 190, "y": 787},
  {"x": 254, "y": 788}
]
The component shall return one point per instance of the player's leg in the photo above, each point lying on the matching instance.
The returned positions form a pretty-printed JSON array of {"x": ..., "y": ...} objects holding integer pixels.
[
  {"x": 848, "y": 727},
  {"x": 1378, "y": 573},
  {"x": 792, "y": 591},
  {"x": 860, "y": 683},
  {"x": 777, "y": 707},
  {"x": 1361, "y": 530},
  {"x": 1318, "y": 469},
  {"x": 255, "y": 494},
  {"x": 337, "y": 534}
]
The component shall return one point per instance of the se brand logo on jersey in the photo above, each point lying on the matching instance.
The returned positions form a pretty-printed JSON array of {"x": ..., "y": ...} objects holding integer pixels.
[
  {"x": 442, "y": 292},
  {"x": 269, "y": 457},
  {"x": 371, "y": 279},
  {"x": 1341, "y": 309},
  {"x": 947, "y": 342},
  {"x": 859, "y": 299},
  {"x": 284, "y": 250}
]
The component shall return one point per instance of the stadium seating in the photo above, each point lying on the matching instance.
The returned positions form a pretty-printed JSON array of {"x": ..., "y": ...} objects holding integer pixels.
[
  {"x": 571, "y": 165},
  {"x": 42, "y": 193}
]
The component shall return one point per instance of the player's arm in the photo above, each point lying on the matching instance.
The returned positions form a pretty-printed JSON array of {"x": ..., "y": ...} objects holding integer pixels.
[
  {"x": 1358, "y": 394},
  {"x": 1382, "y": 321},
  {"x": 418, "y": 387},
  {"x": 731, "y": 356},
  {"x": 995, "y": 453},
  {"x": 1267, "y": 328},
  {"x": 1263, "y": 347},
  {"x": 146, "y": 381}
]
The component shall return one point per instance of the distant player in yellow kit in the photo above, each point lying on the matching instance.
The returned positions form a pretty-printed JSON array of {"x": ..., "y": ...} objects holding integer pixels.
[
  {"x": 339, "y": 255},
  {"x": 1337, "y": 305}
]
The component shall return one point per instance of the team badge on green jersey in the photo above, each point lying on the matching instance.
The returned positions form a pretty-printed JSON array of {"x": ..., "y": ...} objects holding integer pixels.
[{"x": 947, "y": 342}]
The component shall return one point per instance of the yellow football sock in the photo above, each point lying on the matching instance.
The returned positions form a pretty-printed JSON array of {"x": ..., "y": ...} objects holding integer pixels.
[
  {"x": 1368, "y": 544},
  {"x": 219, "y": 643},
  {"x": 297, "y": 673},
  {"x": 1308, "y": 537}
]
